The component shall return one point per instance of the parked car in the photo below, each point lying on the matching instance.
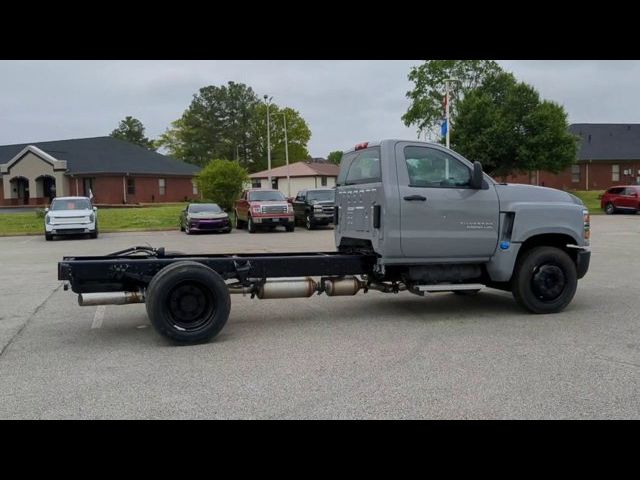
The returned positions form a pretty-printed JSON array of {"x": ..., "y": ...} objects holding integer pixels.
[
  {"x": 314, "y": 207},
  {"x": 70, "y": 216},
  {"x": 263, "y": 208},
  {"x": 204, "y": 217},
  {"x": 624, "y": 198}
]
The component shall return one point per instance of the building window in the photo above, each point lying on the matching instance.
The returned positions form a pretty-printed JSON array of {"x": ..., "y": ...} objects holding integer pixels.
[
  {"x": 195, "y": 187},
  {"x": 323, "y": 181},
  {"x": 255, "y": 183},
  {"x": 575, "y": 173},
  {"x": 131, "y": 186},
  {"x": 162, "y": 185},
  {"x": 615, "y": 173}
]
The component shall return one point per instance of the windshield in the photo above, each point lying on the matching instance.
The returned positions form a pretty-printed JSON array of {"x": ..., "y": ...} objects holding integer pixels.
[
  {"x": 321, "y": 196},
  {"x": 205, "y": 207},
  {"x": 71, "y": 204},
  {"x": 265, "y": 196}
]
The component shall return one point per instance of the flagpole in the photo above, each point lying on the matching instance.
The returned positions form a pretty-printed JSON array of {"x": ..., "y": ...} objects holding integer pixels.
[{"x": 446, "y": 108}]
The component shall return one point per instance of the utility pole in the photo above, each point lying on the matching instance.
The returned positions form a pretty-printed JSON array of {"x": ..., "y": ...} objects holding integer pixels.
[
  {"x": 286, "y": 153},
  {"x": 267, "y": 100}
]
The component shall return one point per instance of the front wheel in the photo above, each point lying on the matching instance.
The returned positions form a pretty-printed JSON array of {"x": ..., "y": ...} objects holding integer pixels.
[
  {"x": 308, "y": 222},
  {"x": 48, "y": 237},
  {"x": 251, "y": 226},
  {"x": 545, "y": 280},
  {"x": 609, "y": 209},
  {"x": 239, "y": 223},
  {"x": 290, "y": 227},
  {"x": 188, "y": 302}
]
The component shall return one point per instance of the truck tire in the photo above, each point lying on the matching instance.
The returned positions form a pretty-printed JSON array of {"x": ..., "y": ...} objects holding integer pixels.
[
  {"x": 290, "y": 227},
  {"x": 188, "y": 302},
  {"x": 544, "y": 280},
  {"x": 239, "y": 223},
  {"x": 251, "y": 227},
  {"x": 48, "y": 237},
  {"x": 609, "y": 209},
  {"x": 308, "y": 222}
]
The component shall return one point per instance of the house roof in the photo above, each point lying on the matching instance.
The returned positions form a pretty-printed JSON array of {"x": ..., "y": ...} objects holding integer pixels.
[
  {"x": 301, "y": 169},
  {"x": 104, "y": 155},
  {"x": 608, "y": 141}
]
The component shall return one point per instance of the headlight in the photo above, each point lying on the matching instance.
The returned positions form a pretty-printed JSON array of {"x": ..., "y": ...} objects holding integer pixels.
[
  {"x": 317, "y": 207},
  {"x": 256, "y": 209},
  {"x": 92, "y": 217},
  {"x": 47, "y": 219}
]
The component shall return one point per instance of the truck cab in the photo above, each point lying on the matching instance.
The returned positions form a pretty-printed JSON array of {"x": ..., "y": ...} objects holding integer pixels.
[{"x": 431, "y": 216}]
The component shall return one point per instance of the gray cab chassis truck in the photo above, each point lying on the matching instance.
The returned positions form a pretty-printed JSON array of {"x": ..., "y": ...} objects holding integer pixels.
[{"x": 409, "y": 216}]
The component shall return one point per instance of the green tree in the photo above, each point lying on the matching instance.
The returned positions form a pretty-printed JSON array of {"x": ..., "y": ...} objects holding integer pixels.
[
  {"x": 229, "y": 122},
  {"x": 222, "y": 181},
  {"x": 335, "y": 157},
  {"x": 215, "y": 125},
  {"x": 505, "y": 125},
  {"x": 132, "y": 130},
  {"x": 298, "y": 136},
  {"x": 427, "y": 96}
]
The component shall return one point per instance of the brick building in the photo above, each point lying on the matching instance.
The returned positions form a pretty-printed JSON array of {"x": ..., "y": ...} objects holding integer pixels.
[
  {"x": 609, "y": 154},
  {"x": 113, "y": 170}
]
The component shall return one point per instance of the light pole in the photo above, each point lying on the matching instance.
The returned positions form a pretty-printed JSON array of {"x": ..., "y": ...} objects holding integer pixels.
[
  {"x": 267, "y": 100},
  {"x": 286, "y": 151}
]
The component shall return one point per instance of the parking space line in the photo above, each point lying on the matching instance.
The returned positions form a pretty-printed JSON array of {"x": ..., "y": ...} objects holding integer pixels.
[{"x": 98, "y": 317}]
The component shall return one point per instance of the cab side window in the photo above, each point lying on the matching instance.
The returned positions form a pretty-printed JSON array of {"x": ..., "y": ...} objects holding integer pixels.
[
  {"x": 429, "y": 167},
  {"x": 365, "y": 168},
  {"x": 300, "y": 197}
]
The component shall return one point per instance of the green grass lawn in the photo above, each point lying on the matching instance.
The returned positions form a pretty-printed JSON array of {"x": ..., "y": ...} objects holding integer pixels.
[
  {"x": 109, "y": 220},
  {"x": 590, "y": 199}
]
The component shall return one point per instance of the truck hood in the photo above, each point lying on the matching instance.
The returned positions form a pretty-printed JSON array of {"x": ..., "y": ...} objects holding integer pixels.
[
  {"x": 257, "y": 203},
  {"x": 519, "y": 193},
  {"x": 207, "y": 215},
  {"x": 69, "y": 213}
]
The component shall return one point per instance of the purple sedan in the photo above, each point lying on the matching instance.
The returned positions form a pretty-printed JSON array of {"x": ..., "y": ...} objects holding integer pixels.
[{"x": 204, "y": 217}]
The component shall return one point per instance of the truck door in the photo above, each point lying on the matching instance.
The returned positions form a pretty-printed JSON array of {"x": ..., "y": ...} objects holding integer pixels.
[
  {"x": 441, "y": 216},
  {"x": 299, "y": 205}
]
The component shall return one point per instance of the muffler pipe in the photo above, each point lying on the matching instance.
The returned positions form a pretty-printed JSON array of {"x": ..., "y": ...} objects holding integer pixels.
[
  {"x": 345, "y": 286},
  {"x": 109, "y": 298},
  {"x": 288, "y": 288}
]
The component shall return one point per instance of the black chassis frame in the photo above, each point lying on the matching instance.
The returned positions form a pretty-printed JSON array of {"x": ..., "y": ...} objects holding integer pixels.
[{"x": 133, "y": 268}]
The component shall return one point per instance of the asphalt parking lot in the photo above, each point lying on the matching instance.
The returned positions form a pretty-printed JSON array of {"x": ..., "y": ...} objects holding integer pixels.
[{"x": 369, "y": 356}]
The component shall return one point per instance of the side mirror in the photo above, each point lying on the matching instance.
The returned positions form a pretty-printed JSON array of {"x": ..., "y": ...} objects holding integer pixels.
[
  {"x": 95, "y": 209},
  {"x": 46, "y": 210},
  {"x": 290, "y": 199},
  {"x": 476, "y": 176}
]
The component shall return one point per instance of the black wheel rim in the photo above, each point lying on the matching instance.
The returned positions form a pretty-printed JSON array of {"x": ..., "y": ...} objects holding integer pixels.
[
  {"x": 191, "y": 306},
  {"x": 609, "y": 208},
  {"x": 548, "y": 282},
  {"x": 308, "y": 223}
]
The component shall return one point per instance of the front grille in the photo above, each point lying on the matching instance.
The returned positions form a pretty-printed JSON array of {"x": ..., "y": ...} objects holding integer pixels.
[
  {"x": 327, "y": 210},
  {"x": 274, "y": 209},
  {"x": 71, "y": 231},
  {"x": 65, "y": 220}
]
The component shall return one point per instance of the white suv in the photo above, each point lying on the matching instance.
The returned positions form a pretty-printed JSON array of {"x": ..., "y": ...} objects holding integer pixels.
[{"x": 70, "y": 215}]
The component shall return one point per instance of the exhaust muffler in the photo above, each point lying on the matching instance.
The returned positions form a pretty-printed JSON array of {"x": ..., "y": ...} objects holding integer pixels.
[
  {"x": 110, "y": 298},
  {"x": 288, "y": 288}
]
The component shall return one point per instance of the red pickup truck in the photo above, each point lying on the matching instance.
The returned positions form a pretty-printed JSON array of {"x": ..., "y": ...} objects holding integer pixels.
[{"x": 263, "y": 208}]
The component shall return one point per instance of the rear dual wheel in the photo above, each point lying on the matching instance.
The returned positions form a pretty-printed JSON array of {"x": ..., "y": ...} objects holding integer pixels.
[{"x": 188, "y": 302}]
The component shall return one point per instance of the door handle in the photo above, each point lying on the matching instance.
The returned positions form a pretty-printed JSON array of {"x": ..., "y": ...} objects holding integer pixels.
[{"x": 415, "y": 198}]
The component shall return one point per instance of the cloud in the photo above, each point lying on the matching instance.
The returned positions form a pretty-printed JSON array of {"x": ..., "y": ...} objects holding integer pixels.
[{"x": 344, "y": 102}]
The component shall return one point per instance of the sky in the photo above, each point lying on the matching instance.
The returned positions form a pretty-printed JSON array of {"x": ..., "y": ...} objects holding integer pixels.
[{"x": 344, "y": 102}]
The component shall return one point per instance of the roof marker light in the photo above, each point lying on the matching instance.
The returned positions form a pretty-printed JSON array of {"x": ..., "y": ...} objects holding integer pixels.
[{"x": 362, "y": 145}]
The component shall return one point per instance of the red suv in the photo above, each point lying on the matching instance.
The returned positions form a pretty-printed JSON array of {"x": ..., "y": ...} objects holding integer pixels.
[{"x": 624, "y": 198}]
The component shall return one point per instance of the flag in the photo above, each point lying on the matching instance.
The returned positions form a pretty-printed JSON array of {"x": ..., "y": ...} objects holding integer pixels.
[
  {"x": 90, "y": 195},
  {"x": 443, "y": 128}
]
